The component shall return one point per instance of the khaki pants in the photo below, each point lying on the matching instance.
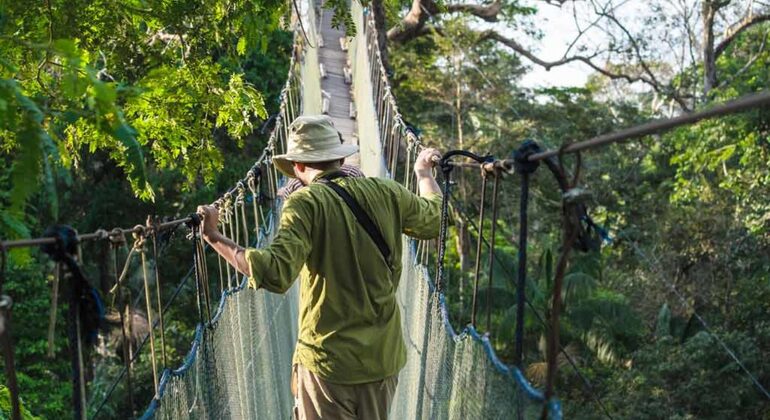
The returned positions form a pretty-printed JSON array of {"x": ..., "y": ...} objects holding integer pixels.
[{"x": 315, "y": 398}]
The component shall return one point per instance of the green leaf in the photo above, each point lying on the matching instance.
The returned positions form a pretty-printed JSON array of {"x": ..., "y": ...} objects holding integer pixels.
[
  {"x": 241, "y": 47},
  {"x": 135, "y": 157}
]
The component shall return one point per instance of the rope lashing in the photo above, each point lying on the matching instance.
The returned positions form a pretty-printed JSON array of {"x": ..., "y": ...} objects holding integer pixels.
[
  {"x": 139, "y": 241},
  {"x": 571, "y": 231},
  {"x": 86, "y": 310},
  {"x": 6, "y": 341},
  {"x": 117, "y": 240},
  {"x": 152, "y": 228},
  {"x": 446, "y": 168}
]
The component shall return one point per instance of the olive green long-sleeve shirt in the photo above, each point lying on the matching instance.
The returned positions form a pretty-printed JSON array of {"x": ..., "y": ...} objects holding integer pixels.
[{"x": 349, "y": 321}]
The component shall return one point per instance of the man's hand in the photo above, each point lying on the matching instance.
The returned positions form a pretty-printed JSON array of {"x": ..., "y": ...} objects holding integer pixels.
[
  {"x": 426, "y": 160},
  {"x": 210, "y": 216},
  {"x": 423, "y": 168},
  {"x": 233, "y": 253}
]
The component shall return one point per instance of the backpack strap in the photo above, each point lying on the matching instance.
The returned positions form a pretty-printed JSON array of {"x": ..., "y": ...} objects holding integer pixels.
[{"x": 363, "y": 218}]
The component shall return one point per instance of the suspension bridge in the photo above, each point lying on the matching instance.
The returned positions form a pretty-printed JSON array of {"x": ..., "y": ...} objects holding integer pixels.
[{"x": 239, "y": 362}]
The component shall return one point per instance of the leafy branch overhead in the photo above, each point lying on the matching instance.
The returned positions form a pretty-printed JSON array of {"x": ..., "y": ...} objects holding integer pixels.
[{"x": 156, "y": 86}]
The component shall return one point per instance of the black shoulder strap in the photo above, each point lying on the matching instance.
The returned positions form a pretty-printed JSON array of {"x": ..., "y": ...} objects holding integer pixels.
[{"x": 363, "y": 218}]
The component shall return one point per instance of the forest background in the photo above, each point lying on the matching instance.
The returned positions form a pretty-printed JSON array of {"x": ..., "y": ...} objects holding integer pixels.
[{"x": 114, "y": 110}]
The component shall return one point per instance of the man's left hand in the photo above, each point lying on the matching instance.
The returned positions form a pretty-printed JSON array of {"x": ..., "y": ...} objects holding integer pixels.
[{"x": 210, "y": 216}]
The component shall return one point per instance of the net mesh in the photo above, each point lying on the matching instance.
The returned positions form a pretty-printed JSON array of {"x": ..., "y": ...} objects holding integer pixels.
[
  {"x": 449, "y": 375},
  {"x": 239, "y": 365}
]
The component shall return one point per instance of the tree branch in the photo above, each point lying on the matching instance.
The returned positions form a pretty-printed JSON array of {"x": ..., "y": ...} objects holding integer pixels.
[
  {"x": 488, "y": 12},
  {"x": 588, "y": 60},
  {"x": 411, "y": 26},
  {"x": 732, "y": 33}
]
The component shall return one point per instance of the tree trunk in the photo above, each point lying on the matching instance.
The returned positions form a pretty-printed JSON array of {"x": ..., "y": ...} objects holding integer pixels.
[{"x": 709, "y": 11}]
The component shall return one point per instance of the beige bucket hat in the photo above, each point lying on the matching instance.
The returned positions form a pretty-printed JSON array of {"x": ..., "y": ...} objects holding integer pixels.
[{"x": 312, "y": 139}]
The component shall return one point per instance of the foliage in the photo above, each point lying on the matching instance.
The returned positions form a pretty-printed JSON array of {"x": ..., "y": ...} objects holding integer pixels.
[
  {"x": 105, "y": 101},
  {"x": 686, "y": 209},
  {"x": 157, "y": 79}
]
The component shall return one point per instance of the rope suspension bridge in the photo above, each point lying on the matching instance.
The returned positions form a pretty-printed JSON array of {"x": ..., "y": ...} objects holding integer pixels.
[{"x": 239, "y": 363}]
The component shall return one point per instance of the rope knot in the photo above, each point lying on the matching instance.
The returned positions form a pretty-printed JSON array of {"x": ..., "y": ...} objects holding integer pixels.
[
  {"x": 239, "y": 199},
  {"x": 117, "y": 237},
  {"x": 101, "y": 234},
  {"x": 139, "y": 234}
]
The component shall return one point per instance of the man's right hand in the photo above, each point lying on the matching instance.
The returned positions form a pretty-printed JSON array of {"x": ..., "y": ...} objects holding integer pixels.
[
  {"x": 423, "y": 168},
  {"x": 426, "y": 160}
]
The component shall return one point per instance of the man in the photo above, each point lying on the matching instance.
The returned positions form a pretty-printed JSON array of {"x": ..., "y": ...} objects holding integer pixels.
[{"x": 350, "y": 347}]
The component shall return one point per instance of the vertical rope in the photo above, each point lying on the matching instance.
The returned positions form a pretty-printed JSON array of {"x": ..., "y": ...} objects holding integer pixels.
[
  {"x": 443, "y": 230},
  {"x": 161, "y": 324},
  {"x": 521, "y": 282},
  {"x": 252, "y": 184},
  {"x": 198, "y": 283},
  {"x": 235, "y": 221},
  {"x": 492, "y": 236},
  {"x": 204, "y": 274},
  {"x": 241, "y": 202},
  {"x": 477, "y": 267},
  {"x": 139, "y": 247},
  {"x": 225, "y": 219},
  {"x": 116, "y": 241},
  {"x": 80, "y": 395},
  {"x": 57, "y": 272},
  {"x": 407, "y": 170}
]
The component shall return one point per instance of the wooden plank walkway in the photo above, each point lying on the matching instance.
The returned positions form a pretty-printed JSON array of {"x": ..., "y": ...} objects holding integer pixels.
[{"x": 334, "y": 60}]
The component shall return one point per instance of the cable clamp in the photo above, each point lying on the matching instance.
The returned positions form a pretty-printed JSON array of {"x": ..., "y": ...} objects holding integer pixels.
[
  {"x": 522, "y": 164},
  {"x": 66, "y": 242}
]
